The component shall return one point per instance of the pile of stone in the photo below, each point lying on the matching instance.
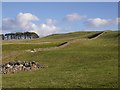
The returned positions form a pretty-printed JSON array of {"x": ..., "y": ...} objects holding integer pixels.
[{"x": 13, "y": 67}]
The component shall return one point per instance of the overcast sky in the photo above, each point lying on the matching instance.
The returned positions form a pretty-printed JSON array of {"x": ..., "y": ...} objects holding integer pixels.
[{"x": 49, "y": 18}]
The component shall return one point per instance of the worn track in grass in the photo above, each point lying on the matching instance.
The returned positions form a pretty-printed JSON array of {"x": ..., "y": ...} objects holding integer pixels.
[{"x": 95, "y": 36}]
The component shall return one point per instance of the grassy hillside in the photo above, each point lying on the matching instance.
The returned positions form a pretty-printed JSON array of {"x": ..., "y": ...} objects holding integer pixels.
[
  {"x": 72, "y": 35},
  {"x": 82, "y": 64},
  {"x": 111, "y": 35},
  {"x": 53, "y": 38}
]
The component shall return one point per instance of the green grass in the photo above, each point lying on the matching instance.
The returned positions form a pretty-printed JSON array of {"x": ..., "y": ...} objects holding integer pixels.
[
  {"x": 110, "y": 35},
  {"x": 70, "y": 35},
  {"x": 15, "y": 47},
  {"x": 83, "y": 64},
  {"x": 52, "y": 38}
]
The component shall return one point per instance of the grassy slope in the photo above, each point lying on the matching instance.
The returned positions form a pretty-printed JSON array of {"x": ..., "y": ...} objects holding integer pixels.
[
  {"x": 55, "y": 38},
  {"x": 11, "y": 47},
  {"x": 82, "y": 64}
]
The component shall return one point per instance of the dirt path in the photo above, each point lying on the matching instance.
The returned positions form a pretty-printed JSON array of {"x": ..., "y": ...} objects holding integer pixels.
[{"x": 63, "y": 44}]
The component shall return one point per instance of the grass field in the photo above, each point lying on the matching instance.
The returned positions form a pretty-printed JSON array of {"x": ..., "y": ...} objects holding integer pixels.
[{"x": 83, "y": 64}]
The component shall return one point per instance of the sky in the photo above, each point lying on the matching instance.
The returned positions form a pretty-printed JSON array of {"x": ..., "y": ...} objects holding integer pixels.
[
  {"x": 63, "y": 17},
  {"x": 60, "y": 0}
]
